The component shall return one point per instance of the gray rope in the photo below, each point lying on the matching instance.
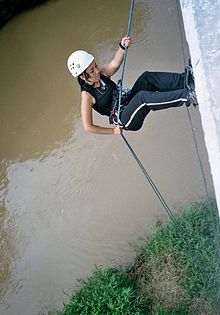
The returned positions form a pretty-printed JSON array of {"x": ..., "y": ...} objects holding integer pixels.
[
  {"x": 163, "y": 202},
  {"x": 160, "y": 197},
  {"x": 215, "y": 229},
  {"x": 120, "y": 82},
  {"x": 180, "y": 230},
  {"x": 188, "y": 112},
  {"x": 217, "y": 239}
]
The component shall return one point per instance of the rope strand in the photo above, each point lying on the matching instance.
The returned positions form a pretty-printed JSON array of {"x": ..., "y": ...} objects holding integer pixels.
[
  {"x": 217, "y": 229},
  {"x": 181, "y": 230},
  {"x": 124, "y": 61},
  {"x": 197, "y": 257}
]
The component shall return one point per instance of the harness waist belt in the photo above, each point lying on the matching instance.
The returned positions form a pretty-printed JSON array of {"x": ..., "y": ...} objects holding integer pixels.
[{"x": 113, "y": 118}]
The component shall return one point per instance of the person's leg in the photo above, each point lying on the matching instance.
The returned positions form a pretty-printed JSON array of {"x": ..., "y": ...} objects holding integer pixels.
[
  {"x": 158, "y": 81},
  {"x": 134, "y": 113}
]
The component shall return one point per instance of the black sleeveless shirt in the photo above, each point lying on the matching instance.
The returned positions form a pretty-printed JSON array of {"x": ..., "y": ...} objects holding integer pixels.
[{"x": 103, "y": 97}]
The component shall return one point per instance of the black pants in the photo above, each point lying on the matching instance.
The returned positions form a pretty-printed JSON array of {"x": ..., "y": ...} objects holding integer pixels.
[{"x": 152, "y": 91}]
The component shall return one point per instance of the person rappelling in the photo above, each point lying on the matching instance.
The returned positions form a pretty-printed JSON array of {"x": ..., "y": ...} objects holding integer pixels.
[{"x": 151, "y": 92}]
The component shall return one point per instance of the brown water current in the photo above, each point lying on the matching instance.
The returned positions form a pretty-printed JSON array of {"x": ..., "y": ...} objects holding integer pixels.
[{"x": 70, "y": 200}]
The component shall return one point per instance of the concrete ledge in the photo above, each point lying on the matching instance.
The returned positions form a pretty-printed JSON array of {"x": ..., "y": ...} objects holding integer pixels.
[{"x": 202, "y": 31}]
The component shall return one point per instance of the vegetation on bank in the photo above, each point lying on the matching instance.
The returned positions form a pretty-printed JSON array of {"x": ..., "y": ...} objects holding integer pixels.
[
  {"x": 178, "y": 273},
  {"x": 9, "y": 8}
]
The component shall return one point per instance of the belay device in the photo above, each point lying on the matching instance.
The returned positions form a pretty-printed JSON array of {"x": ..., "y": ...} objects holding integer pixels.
[{"x": 114, "y": 117}]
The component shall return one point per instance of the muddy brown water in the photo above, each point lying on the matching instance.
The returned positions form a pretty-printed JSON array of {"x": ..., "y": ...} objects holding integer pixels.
[{"x": 70, "y": 200}]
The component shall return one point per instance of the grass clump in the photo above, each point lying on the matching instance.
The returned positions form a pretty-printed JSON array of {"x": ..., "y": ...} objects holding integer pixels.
[
  {"x": 108, "y": 292},
  {"x": 179, "y": 268},
  {"x": 178, "y": 273}
]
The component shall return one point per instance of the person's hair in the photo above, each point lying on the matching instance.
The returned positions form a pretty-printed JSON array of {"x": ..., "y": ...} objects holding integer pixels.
[{"x": 85, "y": 80}]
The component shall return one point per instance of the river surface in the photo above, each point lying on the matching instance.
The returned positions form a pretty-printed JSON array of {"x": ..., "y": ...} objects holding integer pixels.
[{"x": 70, "y": 200}]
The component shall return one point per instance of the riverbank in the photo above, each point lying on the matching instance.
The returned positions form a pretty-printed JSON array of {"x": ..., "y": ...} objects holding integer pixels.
[
  {"x": 173, "y": 275},
  {"x": 9, "y": 8}
]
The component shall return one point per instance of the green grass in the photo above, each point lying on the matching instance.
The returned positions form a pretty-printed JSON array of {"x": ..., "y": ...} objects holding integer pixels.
[
  {"x": 106, "y": 292},
  {"x": 189, "y": 255},
  {"x": 178, "y": 273}
]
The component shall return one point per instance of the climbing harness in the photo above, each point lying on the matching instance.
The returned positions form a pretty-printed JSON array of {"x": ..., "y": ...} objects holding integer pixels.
[{"x": 114, "y": 117}]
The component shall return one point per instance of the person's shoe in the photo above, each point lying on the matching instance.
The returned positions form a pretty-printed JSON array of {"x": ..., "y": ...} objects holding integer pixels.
[
  {"x": 189, "y": 78},
  {"x": 191, "y": 98}
]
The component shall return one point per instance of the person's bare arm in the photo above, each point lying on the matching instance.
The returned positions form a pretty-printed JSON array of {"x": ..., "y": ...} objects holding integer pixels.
[
  {"x": 112, "y": 67},
  {"x": 86, "y": 111}
]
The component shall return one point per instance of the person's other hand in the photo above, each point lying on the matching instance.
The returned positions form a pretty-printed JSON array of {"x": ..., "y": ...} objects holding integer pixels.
[
  {"x": 117, "y": 130},
  {"x": 126, "y": 41}
]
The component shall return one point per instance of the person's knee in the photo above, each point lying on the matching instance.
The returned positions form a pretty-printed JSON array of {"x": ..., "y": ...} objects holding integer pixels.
[
  {"x": 136, "y": 124},
  {"x": 133, "y": 128},
  {"x": 144, "y": 75},
  {"x": 143, "y": 96},
  {"x": 146, "y": 72},
  {"x": 142, "y": 93}
]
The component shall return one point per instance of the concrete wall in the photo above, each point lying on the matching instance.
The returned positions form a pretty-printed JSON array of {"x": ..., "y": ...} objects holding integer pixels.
[{"x": 201, "y": 20}]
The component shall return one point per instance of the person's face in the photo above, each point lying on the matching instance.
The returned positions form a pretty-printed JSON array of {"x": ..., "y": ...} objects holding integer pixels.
[{"x": 93, "y": 72}]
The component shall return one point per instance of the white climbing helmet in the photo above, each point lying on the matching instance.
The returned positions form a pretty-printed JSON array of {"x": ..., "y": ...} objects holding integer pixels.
[{"x": 79, "y": 62}]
